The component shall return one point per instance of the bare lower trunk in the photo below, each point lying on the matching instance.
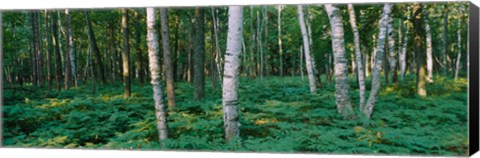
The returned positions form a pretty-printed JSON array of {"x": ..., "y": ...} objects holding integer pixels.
[
  {"x": 459, "y": 44},
  {"x": 70, "y": 50},
  {"x": 391, "y": 50},
  {"x": 280, "y": 50},
  {"x": 379, "y": 55},
  {"x": 419, "y": 55},
  {"x": 342, "y": 98},
  {"x": 153, "y": 60},
  {"x": 358, "y": 56},
  {"x": 56, "y": 49},
  {"x": 96, "y": 51},
  {"x": 429, "y": 47},
  {"x": 306, "y": 44},
  {"x": 47, "y": 48},
  {"x": 199, "y": 55},
  {"x": 166, "y": 58},
  {"x": 444, "y": 39},
  {"x": 403, "y": 53},
  {"x": 230, "y": 78},
  {"x": 126, "y": 54}
]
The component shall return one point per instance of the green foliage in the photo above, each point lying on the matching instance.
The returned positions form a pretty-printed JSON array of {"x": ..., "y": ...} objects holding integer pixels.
[{"x": 276, "y": 115}]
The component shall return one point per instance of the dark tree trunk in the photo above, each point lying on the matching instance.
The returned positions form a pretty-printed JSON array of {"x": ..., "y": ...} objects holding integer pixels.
[
  {"x": 96, "y": 51},
  {"x": 199, "y": 55}
]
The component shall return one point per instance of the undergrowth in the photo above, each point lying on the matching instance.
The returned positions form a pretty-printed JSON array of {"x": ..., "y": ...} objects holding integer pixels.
[{"x": 276, "y": 115}]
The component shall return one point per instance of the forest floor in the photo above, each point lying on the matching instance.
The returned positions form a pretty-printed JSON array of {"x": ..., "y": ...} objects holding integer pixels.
[{"x": 276, "y": 115}]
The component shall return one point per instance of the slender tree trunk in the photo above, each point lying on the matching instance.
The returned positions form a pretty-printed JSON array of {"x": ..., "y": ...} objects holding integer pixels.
[
  {"x": 139, "y": 62},
  {"x": 358, "y": 56},
  {"x": 367, "y": 64},
  {"x": 34, "y": 51},
  {"x": 306, "y": 44},
  {"x": 230, "y": 79},
  {"x": 459, "y": 43},
  {"x": 391, "y": 50},
  {"x": 251, "y": 64},
  {"x": 403, "y": 53},
  {"x": 420, "y": 56},
  {"x": 429, "y": 46},
  {"x": 316, "y": 73},
  {"x": 96, "y": 51},
  {"x": 279, "y": 27},
  {"x": 153, "y": 60},
  {"x": 90, "y": 66},
  {"x": 259, "y": 41},
  {"x": 67, "y": 59},
  {"x": 126, "y": 54},
  {"x": 265, "y": 44},
  {"x": 58, "y": 61},
  {"x": 218, "y": 60},
  {"x": 301, "y": 61},
  {"x": 344, "y": 106},
  {"x": 199, "y": 56},
  {"x": 39, "y": 52},
  {"x": 70, "y": 48},
  {"x": 445, "y": 40},
  {"x": 379, "y": 55},
  {"x": 113, "y": 51},
  {"x": 47, "y": 48},
  {"x": 166, "y": 58}
]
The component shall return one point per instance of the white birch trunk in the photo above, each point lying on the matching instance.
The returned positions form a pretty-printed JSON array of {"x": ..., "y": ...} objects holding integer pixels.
[
  {"x": 429, "y": 47},
  {"x": 153, "y": 60},
  {"x": 70, "y": 49},
  {"x": 403, "y": 53},
  {"x": 231, "y": 68},
  {"x": 358, "y": 55},
  {"x": 308, "y": 60},
  {"x": 378, "y": 61},
  {"x": 459, "y": 43},
  {"x": 280, "y": 50},
  {"x": 342, "y": 98}
]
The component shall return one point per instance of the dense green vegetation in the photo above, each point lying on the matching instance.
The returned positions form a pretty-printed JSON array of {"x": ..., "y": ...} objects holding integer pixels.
[
  {"x": 349, "y": 79},
  {"x": 277, "y": 115}
]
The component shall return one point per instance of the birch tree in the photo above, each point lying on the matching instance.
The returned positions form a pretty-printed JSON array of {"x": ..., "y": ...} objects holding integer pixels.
[
  {"x": 153, "y": 62},
  {"x": 306, "y": 44},
  {"x": 358, "y": 55},
  {"x": 342, "y": 98},
  {"x": 445, "y": 39},
  {"x": 379, "y": 56},
  {"x": 279, "y": 27},
  {"x": 166, "y": 57},
  {"x": 231, "y": 70},
  {"x": 69, "y": 39},
  {"x": 403, "y": 53},
  {"x": 459, "y": 42},
  {"x": 429, "y": 45}
]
